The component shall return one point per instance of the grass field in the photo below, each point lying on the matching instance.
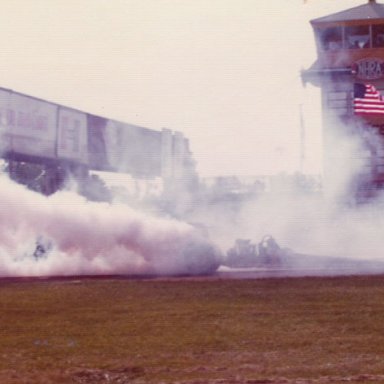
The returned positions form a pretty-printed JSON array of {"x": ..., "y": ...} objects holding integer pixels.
[{"x": 201, "y": 330}]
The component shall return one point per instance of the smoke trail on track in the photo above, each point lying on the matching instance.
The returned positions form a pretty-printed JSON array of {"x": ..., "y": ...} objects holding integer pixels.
[{"x": 92, "y": 238}]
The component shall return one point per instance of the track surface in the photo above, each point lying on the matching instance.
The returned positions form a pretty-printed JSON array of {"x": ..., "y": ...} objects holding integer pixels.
[{"x": 221, "y": 273}]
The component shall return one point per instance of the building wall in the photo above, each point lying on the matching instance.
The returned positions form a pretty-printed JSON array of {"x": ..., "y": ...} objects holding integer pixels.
[
  {"x": 36, "y": 130},
  {"x": 178, "y": 166}
]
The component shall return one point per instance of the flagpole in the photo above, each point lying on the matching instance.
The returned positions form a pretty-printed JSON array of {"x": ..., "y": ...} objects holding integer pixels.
[{"x": 302, "y": 139}]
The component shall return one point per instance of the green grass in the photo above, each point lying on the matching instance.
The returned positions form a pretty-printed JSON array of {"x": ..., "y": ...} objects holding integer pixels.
[{"x": 192, "y": 330}]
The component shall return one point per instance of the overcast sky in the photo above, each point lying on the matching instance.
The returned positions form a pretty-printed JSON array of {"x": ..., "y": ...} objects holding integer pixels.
[{"x": 226, "y": 73}]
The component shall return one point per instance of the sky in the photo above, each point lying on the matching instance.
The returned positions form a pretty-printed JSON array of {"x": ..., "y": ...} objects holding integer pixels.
[{"x": 225, "y": 73}]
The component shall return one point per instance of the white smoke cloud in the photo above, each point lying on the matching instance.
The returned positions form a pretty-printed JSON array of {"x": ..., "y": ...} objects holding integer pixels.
[
  {"x": 307, "y": 225},
  {"x": 92, "y": 238},
  {"x": 335, "y": 223}
]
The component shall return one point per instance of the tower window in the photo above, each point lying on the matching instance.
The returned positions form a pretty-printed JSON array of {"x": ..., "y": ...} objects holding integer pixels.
[
  {"x": 357, "y": 37},
  {"x": 331, "y": 38},
  {"x": 378, "y": 35}
]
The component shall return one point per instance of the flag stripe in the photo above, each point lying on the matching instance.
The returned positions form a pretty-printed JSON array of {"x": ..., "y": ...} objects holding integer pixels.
[{"x": 367, "y": 100}]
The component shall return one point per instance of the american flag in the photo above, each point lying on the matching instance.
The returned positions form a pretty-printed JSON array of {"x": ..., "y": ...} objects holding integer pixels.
[{"x": 367, "y": 100}]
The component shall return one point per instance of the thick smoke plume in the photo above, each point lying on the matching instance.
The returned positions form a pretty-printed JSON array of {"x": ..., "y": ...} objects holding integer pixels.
[
  {"x": 330, "y": 223},
  {"x": 307, "y": 225},
  {"x": 91, "y": 238}
]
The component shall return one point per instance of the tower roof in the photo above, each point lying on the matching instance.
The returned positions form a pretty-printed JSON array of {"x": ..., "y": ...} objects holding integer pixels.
[{"x": 369, "y": 11}]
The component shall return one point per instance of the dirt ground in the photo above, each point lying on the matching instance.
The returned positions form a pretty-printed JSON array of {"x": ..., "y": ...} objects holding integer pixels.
[{"x": 298, "y": 305}]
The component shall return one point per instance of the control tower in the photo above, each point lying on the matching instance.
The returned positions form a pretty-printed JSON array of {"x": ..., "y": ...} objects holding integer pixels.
[{"x": 350, "y": 65}]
